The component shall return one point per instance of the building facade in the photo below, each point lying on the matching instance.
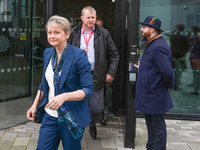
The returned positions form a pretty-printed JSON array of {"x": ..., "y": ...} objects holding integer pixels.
[{"x": 23, "y": 40}]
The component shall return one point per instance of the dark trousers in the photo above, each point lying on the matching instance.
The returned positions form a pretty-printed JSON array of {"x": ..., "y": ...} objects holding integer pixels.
[
  {"x": 157, "y": 134},
  {"x": 51, "y": 132},
  {"x": 96, "y": 104}
]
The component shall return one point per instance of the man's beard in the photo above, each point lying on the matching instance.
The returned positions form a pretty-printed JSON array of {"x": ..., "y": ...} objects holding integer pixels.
[{"x": 146, "y": 35}]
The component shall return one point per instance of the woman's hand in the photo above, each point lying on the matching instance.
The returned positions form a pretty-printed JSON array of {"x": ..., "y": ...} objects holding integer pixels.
[
  {"x": 30, "y": 114},
  {"x": 56, "y": 102}
]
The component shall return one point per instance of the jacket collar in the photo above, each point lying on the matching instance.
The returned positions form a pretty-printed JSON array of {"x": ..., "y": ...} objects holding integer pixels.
[
  {"x": 96, "y": 31},
  {"x": 149, "y": 41},
  {"x": 153, "y": 38}
]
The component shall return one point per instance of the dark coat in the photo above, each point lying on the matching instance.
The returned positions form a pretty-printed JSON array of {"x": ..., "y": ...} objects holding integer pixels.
[
  {"x": 155, "y": 76},
  {"x": 75, "y": 75},
  {"x": 179, "y": 45},
  {"x": 106, "y": 54}
]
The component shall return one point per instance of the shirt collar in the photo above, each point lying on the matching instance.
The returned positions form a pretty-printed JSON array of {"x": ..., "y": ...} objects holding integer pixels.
[{"x": 88, "y": 32}]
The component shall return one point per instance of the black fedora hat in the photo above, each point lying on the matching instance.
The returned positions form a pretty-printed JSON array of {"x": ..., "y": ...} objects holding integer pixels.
[{"x": 152, "y": 21}]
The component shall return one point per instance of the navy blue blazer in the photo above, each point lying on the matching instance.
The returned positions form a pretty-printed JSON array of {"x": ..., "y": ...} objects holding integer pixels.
[
  {"x": 75, "y": 75},
  {"x": 155, "y": 77}
]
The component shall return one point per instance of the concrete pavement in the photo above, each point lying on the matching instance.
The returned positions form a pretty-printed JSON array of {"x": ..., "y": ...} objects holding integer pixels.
[{"x": 182, "y": 135}]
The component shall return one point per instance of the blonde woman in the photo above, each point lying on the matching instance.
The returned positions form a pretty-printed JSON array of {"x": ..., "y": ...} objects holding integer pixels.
[{"x": 66, "y": 85}]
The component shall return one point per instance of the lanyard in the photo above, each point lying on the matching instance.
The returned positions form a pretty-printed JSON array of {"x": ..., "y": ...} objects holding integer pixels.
[{"x": 85, "y": 37}]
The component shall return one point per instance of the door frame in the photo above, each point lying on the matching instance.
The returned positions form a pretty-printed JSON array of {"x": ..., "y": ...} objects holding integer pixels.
[{"x": 126, "y": 36}]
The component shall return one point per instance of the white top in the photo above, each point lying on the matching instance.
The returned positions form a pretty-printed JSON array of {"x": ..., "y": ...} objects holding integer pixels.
[{"x": 49, "y": 77}]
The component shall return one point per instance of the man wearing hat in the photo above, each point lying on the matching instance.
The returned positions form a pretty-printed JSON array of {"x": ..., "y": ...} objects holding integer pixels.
[{"x": 155, "y": 77}]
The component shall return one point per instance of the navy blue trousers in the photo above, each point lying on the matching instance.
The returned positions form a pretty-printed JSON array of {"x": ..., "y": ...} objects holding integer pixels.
[
  {"x": 157, "y": 134},
  {"x": 51, "y": 132}
]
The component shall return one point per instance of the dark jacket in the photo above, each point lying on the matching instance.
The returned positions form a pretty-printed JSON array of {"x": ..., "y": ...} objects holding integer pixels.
[
  {"x": 106, "y": 54},
  {"x": 155, "y": 76},
  {"x": 195, "y": 47},
  {"x": 179, "y": 45}
]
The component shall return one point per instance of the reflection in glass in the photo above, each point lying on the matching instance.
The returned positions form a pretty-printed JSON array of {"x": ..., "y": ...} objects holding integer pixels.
[
  {"x": 178, "y": 20},
  {"x": 195, "y": 59},
  {"x": 21, "y": 63}
]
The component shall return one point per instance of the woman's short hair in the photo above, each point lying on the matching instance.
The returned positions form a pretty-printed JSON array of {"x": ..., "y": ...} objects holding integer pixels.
[{"x": 61, "y": 21}]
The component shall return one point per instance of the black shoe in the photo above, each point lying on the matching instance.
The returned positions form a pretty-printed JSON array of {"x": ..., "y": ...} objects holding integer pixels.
[
  {"x": 93, "y": 131},
  {"x": 103, "y": 122}
]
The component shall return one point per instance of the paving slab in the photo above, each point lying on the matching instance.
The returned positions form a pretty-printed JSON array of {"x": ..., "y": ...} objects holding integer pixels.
[{"x": 181, "y": 135}]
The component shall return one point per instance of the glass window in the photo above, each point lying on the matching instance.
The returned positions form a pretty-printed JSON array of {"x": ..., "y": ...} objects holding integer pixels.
[
  {"x": 21, "y": 61},
  {"x": 14, "y": 61},
  {"x": 181, "y": 25}
]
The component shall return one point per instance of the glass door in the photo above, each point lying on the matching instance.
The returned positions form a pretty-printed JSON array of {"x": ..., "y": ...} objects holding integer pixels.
[
  {"x": 102, "y": 8},
  {"x": 39, "y": 41},
  {"x": 15, "y": 49},
  {"x": 21, "y": 46}
]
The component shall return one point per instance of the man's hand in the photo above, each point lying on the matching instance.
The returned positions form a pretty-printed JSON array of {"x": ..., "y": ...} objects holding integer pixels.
[
  {"x": 137, "y": 65},
  {"x": 109, "y": 78}
]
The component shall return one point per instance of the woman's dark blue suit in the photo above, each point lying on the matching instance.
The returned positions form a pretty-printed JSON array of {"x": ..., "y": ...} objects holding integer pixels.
[{"x": 75, "y": 75}]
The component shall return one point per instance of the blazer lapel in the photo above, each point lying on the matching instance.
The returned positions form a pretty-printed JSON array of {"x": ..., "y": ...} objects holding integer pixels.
[
  {"x": 66, "y": 66},
  {"x": 46, "y": 63}
]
